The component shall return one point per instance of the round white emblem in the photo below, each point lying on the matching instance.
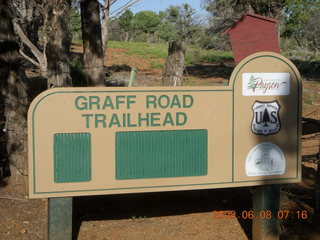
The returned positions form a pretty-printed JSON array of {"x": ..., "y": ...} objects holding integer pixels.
[{"x": 265, "y": 159}]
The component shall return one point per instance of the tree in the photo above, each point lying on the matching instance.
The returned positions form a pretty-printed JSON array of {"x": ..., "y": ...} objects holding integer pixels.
[
  {"x": 125, "y": 23},
  {"x": 294, "y": 15},
  {"x": 14, "y": 88},
  {"x": 116, "y": 32},
  {"x": 225, "y": 12},
  {"x": 58, "y": 43},
  {"x": 299, "y": 16},
  {"x": 14, "y": 85},
  {"x": 268, "y": 8},
  {"x": 313, "y": 30},
  {"x": 92, "y": 42},
  {"x": 106, "y": 12},
  {"x": 105, "y": 22},
  {"x": 180, "y": 22},
  {"x": 29, "y": 13},
  {"x": 147, "y": 22}
]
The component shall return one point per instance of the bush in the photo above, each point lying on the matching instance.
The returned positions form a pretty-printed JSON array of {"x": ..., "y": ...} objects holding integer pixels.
[{"x": 77, "y": 73}]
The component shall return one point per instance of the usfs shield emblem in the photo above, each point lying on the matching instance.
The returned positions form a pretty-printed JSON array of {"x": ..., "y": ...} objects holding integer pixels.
[{"x": 266, "y": 118}]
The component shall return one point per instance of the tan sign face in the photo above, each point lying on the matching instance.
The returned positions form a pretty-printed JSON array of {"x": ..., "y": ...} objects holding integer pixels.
[{"x": 89, "y": 141}]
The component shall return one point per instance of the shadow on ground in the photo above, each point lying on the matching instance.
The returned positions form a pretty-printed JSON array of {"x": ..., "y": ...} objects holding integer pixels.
[
  {"x": 210, "y": 70},
  {"x": 146, "y": 205}
]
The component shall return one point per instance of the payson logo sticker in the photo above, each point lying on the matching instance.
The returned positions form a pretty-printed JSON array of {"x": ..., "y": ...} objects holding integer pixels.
[
  {"x": 265, "y": 84},
  {"x": 266, "y": 118}
]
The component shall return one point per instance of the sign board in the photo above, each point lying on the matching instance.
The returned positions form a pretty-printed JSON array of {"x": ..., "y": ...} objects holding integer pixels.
[{"x": 90, "y": 141}]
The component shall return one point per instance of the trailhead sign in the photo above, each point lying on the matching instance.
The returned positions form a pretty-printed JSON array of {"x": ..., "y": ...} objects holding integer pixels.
[{"x": 90, "y": 141}]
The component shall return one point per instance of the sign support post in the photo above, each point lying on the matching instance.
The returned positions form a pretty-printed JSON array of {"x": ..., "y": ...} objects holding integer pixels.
[
  {"x": 266, "y": 203},
  {"x": 60, "y": 218}
]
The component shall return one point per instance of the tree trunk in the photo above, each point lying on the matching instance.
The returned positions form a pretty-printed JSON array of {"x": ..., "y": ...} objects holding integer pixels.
[
  {"x": 148, "y": 37},
  {"x": 92, "y": 42},
  {"x": 250, "y": 7},
  {"x": 32, "y": 23},
  {"x": 104, "y": 25},
  {"x": 14, "y": 89},
  {"x": 23, "y": 9},
  {"x": 58, "y": 43},
  {"x": 173, "y": 69}
]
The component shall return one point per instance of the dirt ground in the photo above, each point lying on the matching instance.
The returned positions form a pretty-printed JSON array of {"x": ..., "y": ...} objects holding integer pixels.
[{"x": 182, "y": 215}]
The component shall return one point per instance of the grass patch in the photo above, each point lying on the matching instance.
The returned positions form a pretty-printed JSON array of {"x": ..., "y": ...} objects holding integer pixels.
[
  {"x": 198, "y": 55},
  {"x": 156, "y": 65},
  {"x": 308, "y": 101},
  {"x": 142, "y": 49},
  {"x": 160, "y": 51}
]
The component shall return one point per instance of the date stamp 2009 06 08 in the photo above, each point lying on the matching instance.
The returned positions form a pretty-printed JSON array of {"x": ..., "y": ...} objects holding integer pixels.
[{"x": 281, "y": 214}]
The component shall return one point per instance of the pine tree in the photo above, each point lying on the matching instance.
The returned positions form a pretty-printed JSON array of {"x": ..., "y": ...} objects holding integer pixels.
[
  {"x": 251, "y": 82},
  {"x": 182, "y": 22},
  {"x": 265, "y": 117}
]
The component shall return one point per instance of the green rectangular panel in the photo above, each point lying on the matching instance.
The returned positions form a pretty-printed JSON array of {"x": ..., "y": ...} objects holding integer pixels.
[
  {"x": 72, "y": 157},
  {"x": 160, "y": 154}
]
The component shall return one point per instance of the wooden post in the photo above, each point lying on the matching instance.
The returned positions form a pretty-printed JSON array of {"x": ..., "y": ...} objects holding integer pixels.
[
  {"x": 315, "y": 217},
  {"x": 60, "y": 218},
  {"x": 132, "y": 76},
  {"x": 266, "y": 201}
]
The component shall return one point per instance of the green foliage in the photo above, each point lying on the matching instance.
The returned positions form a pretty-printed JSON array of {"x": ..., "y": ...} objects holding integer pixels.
[
  {"x": 226, "y": 12},
  {"x": 198, "y": 55},
  {"x": 206, "y": 40},
  {"x": 313, "y": 30},
  {"x": 156, "y": 65},
  {"x": 178, "y": 22},
  {"x": 308, "y": 68},
  {"x": 299, "y": 19},
  {"x": 252, "y": 82},
  {"x": 160, "y": 51},
  {"x": 167, "y": 31},
  {"x": 77, "y": 72},
  {"x": 147, "y": 50},
  {"x": 299, "y": 16},
  {"x": 268, "y": 8},
  {"x": 148, "y": 26},
  {"x": 308, "y": 101},
  {"x": 223, "y": 14},
  {"x": 75, "y": 24},
  {"x": 125, "y": 21},
  {"x": 146, "y": 21},
  {"x": 115, "y": 32}
]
